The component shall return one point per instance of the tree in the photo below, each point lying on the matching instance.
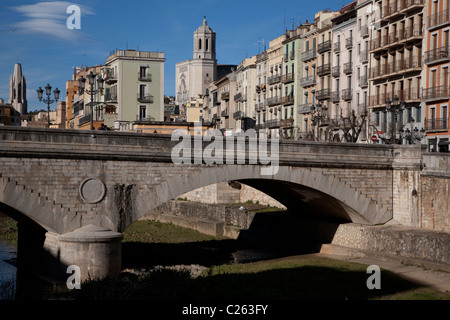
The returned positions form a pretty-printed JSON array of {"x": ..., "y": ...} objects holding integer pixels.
[{"x": 347, "y": 129}]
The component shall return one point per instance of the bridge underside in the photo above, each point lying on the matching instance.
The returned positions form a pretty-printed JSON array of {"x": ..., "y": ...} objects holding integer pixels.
[{"x": 305, "y": 201}]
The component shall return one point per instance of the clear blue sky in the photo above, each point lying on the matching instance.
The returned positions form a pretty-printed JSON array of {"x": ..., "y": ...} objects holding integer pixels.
[{"x": 35, "y": 34}]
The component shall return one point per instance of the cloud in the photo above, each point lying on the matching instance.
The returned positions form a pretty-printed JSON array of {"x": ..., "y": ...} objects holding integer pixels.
[{"x": 48, "y": 18}]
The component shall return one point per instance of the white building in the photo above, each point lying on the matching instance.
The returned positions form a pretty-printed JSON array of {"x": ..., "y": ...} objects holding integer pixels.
[{"x": 194, "y": 76}]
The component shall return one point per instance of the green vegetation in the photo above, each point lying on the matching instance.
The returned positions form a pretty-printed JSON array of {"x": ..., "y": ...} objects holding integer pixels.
[
  {"x": 8, "y": 228},
  {"x": 293, "y": 278},
  {"x": 149, "y": 243}
]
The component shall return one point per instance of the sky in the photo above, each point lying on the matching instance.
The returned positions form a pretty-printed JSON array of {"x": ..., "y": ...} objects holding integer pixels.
[{"x": 36, "y": 34}]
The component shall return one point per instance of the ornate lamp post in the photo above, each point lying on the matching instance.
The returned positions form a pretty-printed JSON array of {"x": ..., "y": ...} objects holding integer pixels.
[
  {"x": 395, "y": 107},
  {"x": 412, "y": 135},
  {"x": 91, "y": 91},
  {"x": 316, "y": 115},
  {"x": 48, "y": 100}
]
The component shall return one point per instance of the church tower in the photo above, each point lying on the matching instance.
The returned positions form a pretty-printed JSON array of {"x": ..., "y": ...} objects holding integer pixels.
[
  {"x": 193, "y": 77},
  {"x": 18, "y": 90},
  {"x": 204, "y": 42}
]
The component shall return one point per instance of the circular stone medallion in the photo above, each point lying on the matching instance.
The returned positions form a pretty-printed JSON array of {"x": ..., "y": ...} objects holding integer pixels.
[{"x": 92, "y": 190}]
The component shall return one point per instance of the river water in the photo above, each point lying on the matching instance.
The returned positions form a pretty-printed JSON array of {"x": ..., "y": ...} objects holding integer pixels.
[{"x": 8, "y": 272}]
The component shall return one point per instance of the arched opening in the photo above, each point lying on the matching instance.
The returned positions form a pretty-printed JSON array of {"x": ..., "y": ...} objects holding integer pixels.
[{"x": 33, "y": 264}]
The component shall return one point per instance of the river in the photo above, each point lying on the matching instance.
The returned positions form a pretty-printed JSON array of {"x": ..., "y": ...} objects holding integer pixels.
[{"x": 8, "y": 272}]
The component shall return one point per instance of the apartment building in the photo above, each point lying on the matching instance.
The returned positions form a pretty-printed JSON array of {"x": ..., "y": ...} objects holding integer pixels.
[
  {"x": 324, "y": 60},
  {"x": 274, "y": 87},
  {"x": 291, "y": 123},
  {"x": 396, "y": 76},
  {"x": 134, "y": 85},
  {"x": 245, "y": 97},
  {"x": 222, "y": 107},
  {"x": 362, "y": 40},
  {"x": 346, "y": 68},
  {"x": 308, "y": 81},
  {"x": 435, "y": 93},
  {"x": 261, "y": 89},
  {"x": 78, "y": 106}
]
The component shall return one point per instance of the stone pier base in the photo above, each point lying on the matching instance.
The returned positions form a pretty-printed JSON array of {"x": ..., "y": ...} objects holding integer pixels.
[{"x": 95, "y": 250}]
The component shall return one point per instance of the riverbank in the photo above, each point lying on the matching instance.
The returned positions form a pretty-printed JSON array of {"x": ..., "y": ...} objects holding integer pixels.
[{"x": 162, "y": 261}]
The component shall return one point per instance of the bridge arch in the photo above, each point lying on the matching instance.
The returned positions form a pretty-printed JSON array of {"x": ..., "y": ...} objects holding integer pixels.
[{"x": 295, "y": 187}]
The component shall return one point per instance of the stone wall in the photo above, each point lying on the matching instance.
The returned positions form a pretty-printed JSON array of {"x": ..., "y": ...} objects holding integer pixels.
[
  {"x": 224, "y": 193},
  {"x": 396, "y": 240}
]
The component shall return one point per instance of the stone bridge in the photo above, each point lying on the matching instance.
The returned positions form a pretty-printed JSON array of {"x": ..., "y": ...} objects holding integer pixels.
[{"x": 73, "y": 192}]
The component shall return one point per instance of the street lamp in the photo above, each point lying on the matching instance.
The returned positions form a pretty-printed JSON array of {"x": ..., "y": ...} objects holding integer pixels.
[
  {"x": 48, "y": 100},
  {"x": 317, "y": 113},
  {"x": 395, "y": 107},
  {"x": 412, "y": 135},
  {"x": 91, "y": 91}
]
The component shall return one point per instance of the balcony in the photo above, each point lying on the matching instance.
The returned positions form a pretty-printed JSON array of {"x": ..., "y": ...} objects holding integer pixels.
[
  {"x": 287, "y": 100},
  {"x": 224, "y": 113},
  {"x": 145, "y": 98},
  {"x": 324, "y": 121},
  {"x": 437, "y": 55},
  {"x": 305, "y": 108},
  {"x": 436, "y": 125},
  {"x": 238, "y": 115},
  {"x": 347, "y": 94},
  {"x": 239, "y": 97},
  {"x": 225, "y": 96},
  {"x": 411, "y": 33},
  {"x": 110, "y": 78},
  {"x": 110, "y": 97},
  {"x": 393, "y": 10},
  {"x": 274, "y": 79},
  {"x": 324, "y": 69},
  {"x": 308, "y": 81},
  {"x": 364, "y": 56},
  {"x": 260, "y": 88},
  {"x": 308, "y": 55},
  {"x": 292, "y": 55},
  {"x": 324, "y": 46},
  {"x": 286, "y": 78},
  {"x": 336, "y": 71},
  {"x": 286, "y": 123},
  {"x": 349, "y": 43},
  {"x": 323, "y": 94},
  {"x": 436, "y": 93},
  {"x": 335, "y": 96},
  {"x": 269, "y": 124},
  {"x": 409, "y": 95},
  {"x": 286, "y": 57},
  {"x": 363, "y": 82},
  {"x": 145, "y": 77},
  {"x": 364, "y": 31},
  {"x": 410, "y": 5},
  {"x": 337, "y": 47},
  {"x": 379, "y": 100},
  {"x": 348, "y": 67},
  {"x": 438, "y": 20},
  {"x": 273, "y": 101}
]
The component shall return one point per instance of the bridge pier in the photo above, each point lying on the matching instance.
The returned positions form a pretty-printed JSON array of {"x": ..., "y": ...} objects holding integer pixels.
[{"x": 95, "y": 250}]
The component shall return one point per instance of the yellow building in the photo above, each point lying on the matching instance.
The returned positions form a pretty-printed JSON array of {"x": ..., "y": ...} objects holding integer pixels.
[{"x": 8, "y": 115}]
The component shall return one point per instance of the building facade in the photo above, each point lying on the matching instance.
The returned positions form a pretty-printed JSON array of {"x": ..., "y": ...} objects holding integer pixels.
[
  {"x": 194, "y": 76},
  {"x": 245, "y": 97},
  {"x": 134, "y": 85},
  {"x": 436, "y": 91},
  {"x": 396, "y": 69}
]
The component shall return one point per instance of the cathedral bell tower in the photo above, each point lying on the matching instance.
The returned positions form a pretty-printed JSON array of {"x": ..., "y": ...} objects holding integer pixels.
[{"x": 204, "y": 42}]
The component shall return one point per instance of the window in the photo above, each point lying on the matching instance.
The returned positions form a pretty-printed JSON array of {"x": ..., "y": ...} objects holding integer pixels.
[{"x": 142, "y": 113}]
